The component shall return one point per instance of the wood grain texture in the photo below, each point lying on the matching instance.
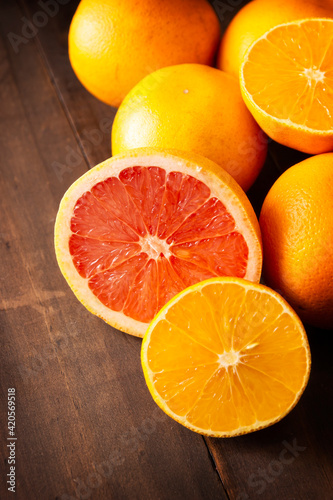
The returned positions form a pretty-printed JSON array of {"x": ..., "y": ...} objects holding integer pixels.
[
  {"x": 87, "y": 427},
  {"x": 86, "y": 424}
]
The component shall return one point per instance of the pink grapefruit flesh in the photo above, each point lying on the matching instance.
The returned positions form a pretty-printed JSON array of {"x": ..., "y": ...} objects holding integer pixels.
[{"x": 142, "y": 235}]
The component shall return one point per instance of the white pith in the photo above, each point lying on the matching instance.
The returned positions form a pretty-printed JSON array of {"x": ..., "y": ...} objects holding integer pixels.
[
  {"x": 314, "y": 75},
  {"x": 229, "y": 358},
  {"x": 153, "y": 246}
]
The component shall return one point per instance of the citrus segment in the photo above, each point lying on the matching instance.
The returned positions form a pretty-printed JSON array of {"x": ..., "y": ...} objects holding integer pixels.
[
  {"x": 113, "y": 285},
  {"x": 183, "y": 195},
  {"x": 113, "y": 195},
  {"x": 93, "y": 220},
  {"x": 146, "y": 187},
  {"x": 91, "y": 256},
  {"x": 222, "y": 255},
  {"x": 210, "y": 220},
  {"x": 189, "y": 272},
  {"x": 226, "y": 357},
  {"x": 113, "y": 233},
  {"x": 287, "y": 84}
]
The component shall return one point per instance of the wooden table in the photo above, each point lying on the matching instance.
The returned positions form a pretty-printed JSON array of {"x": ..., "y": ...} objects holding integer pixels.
[{"x": 86, "y": 425}]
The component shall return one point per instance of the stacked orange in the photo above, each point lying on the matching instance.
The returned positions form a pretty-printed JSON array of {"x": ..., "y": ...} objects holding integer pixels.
[{"x": 114, "y": 44}]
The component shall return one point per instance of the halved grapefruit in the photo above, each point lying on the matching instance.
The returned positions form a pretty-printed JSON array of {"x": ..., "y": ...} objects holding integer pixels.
[{"x": 140, "y": 227}]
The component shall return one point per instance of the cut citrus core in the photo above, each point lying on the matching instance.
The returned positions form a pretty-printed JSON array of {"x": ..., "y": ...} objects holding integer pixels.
[
  {"x": 287, "y": 84},
  {"x": 226, "y": 357},
  {"x": 139, "y": 228}
]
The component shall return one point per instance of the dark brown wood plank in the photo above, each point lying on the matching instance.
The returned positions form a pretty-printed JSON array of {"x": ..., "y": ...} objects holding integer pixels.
[
  {"x": 90, "y": 119},
  {"x": 253, "y": 466},
  {"x": 86, "y": 424}
]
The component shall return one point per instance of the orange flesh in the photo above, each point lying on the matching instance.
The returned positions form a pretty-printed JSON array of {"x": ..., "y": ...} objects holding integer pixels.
[
  {"x": 227, "y": 359},
  {"x": 142, "y": 237},
  {"x": 289, "y": 74}
]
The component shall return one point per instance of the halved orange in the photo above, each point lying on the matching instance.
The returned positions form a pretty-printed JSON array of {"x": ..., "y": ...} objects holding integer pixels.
[
  {"x": 287, "y": 84},
  {"x": 137, "y": 229},
  {"x": 226, "y": 357}
]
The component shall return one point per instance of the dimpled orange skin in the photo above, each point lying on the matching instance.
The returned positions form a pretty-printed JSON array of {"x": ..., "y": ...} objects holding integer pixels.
[
  {"x": 113, "y": 44},
  {"x": 193, "y": 108},
  {"x": 297, "y": 230},
  {"x": 259, "y": 16}
]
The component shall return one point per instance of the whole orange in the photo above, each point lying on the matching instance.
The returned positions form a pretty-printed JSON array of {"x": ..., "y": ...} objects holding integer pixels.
[
  {"x": 113, "y": 44},
  {"x": 195, "y": 108},
  {"x": 297, "y": 229},
  {"x": 259, "y": 16}
]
